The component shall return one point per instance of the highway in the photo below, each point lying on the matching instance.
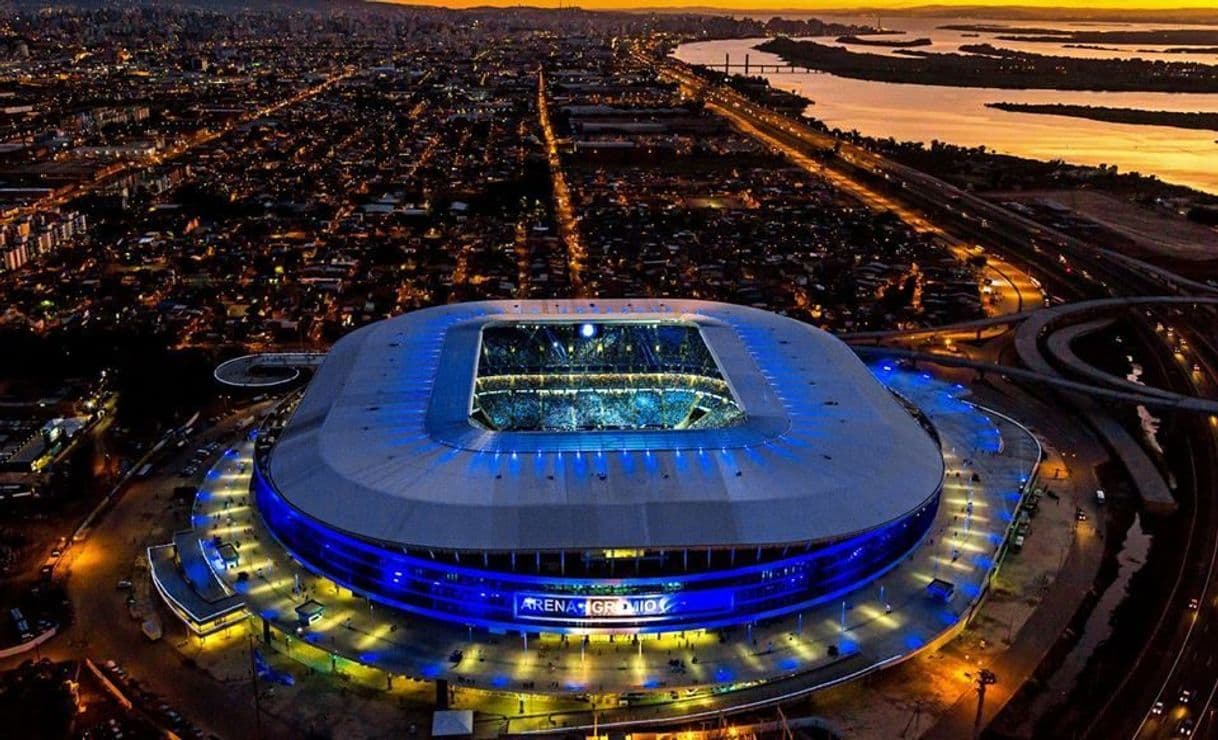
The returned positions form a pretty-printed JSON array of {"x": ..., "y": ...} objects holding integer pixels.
[
  {"x": 103, "y": 628},
  {"x": 1190, "y": 619},
  {"x": 1191, "y": 667},
  {"x": 925, "y": 202},
  {"x": 1183, "y": 646},
  {"x": 1034, "y": 340},
  {"x": 1013, "y": 288}
]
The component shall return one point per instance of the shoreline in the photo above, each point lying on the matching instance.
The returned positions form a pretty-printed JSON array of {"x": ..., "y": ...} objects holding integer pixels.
[
  {"x": 984, "y": 65},
  {"x": 902, "y": 149},
  {"x": 856, "y": 40},
  {"x": 1180, "y": 181},
  {"x": 1198, "y": 121}
]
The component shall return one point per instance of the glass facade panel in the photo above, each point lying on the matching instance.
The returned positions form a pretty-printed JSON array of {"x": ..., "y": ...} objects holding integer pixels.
[{"x": 497, "y": 599}]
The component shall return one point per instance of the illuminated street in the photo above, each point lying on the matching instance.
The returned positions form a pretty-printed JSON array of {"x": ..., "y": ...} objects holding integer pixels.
[
  {"x": 1012, "y": 290},
  {"x": 564, "y": 213},
  {"x": 386, "y": 370}
]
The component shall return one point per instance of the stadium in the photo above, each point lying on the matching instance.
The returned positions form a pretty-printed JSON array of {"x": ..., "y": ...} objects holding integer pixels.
[{"x": 584, "y": 467}]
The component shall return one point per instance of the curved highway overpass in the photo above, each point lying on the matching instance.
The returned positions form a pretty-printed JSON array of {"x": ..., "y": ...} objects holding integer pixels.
[
  {"x": 1051, "y": 323},
  {"x": 1163, "y": 400},
  {"x": 1029, "y": 332}
]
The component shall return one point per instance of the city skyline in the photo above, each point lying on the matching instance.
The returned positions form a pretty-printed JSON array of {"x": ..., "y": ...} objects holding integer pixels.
[
  {"x": 383, "y": 370},
  {"x": 846, "y": 7}
]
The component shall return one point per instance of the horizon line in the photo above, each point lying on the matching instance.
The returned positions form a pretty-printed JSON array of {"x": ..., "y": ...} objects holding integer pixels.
[
  {"x": 967, "y": 6},
  {"x": 942, "y": 9}
]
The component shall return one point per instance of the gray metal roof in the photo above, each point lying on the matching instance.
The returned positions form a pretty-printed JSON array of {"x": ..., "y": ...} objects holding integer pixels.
[
  {"x": 381, "y": 445},
  {"x": 189, "y": 582}
]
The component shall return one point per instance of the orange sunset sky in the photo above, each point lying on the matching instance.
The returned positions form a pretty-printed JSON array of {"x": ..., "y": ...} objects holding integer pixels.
[{"x": 812, "y": 5}]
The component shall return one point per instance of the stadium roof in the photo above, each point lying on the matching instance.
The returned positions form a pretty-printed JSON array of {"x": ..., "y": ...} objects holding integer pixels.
[{"x": 381, "y": 444}]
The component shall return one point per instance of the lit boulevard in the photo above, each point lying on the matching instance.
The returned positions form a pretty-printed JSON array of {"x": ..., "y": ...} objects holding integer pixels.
[{"x": 404, "y": 371}]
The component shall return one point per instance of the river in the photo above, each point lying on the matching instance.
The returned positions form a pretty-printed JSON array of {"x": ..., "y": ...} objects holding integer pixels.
[{"x": 958, "y": 115}]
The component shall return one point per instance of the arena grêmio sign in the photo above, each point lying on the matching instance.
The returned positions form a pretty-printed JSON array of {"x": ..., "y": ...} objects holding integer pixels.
[{"x": 626, "y": 609}]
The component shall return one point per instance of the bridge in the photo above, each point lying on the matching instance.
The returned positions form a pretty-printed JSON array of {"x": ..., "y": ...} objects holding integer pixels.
[
  {"x": 1153, "y": 490},
  {"x": 1040, "y": 323},
  {"x": 975, "y": 327},
  {"x": 1162, "y": 400},
  {"x": 1051, "y": 323},
  {"x": 1056, "y": 327},
  {"x": 761, "y": 68}
]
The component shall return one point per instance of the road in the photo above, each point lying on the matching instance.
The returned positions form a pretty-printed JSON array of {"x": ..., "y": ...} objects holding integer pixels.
[
  {"x": 1180, "y": 649},
  {"x": 564, "y": 211},
  {"x": 1191, "y": 656},
  {"x": 1191, "y": 667},
  {"x": 924, "y": 199},
  {"x": 1013, "y": 289},
  {"x": 103, "y": 628}
]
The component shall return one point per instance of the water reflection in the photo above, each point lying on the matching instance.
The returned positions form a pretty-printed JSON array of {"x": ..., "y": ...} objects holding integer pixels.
[
  {"x": 959, "y": 116},
  {"x": 1148, "y": 421},
  {"x": 947, "y": 41}
]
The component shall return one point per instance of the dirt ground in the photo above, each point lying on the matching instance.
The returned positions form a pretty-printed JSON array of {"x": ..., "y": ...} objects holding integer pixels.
[{"x": 1156, "y": 232}]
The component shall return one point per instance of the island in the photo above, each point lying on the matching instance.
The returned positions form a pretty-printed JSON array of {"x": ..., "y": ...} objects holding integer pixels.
[
  {"x": 1185, "y": 37},
  {"x": 1174, "y": 119},
  {"x": 890, "y": 43},
  {"x": 984, "y": 65},
  {"x": 976, "y": 28},
  {"x": 1182, "y": 50}
]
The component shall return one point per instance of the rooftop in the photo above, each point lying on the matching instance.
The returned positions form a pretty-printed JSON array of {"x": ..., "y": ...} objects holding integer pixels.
[
  {"x": 382, "y": 445},
  {"x": 181, "y": 573}
]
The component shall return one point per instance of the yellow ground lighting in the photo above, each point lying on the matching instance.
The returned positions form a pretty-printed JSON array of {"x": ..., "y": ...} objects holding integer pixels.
[
  {"x": 639, "y": 668},
  {"x": 805, "y": 650},
  {"x": 973, "y": 547},
  {"x": 225, "y": 638},
  {"x": 522, "y": 668},
  {"x": 832, "y": 624},
  {"x": 228, "y": 529},
  {"x": 259, "y": 588},
  {"x": 959, "y": 565},
  {"x": 253, "y": 560},
  {"x": 378, "y": 635},
  {"x": 873, "y": 614}
]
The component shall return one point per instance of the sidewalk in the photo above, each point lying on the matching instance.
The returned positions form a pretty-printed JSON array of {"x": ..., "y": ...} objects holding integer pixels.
[
  {"x": 1059, "y": 601},
  {"x": 712, "y": 672}
]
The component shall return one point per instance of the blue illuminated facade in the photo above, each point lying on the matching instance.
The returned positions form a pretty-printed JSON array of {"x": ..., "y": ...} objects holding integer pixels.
[
  {"x": 617, "y": 465},
  {"x": 689, "y": 597}
]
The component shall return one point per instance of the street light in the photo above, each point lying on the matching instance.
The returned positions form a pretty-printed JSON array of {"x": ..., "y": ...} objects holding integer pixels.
[{"x": 985, "y": 678}]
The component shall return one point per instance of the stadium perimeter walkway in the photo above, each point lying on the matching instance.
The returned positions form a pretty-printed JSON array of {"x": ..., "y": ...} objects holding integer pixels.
[
  {"x": 1060, "y": 600},
  {"x": 959, "y": 549}
]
